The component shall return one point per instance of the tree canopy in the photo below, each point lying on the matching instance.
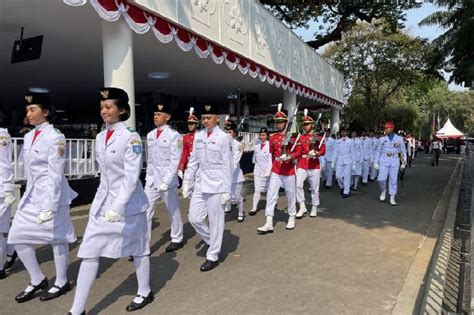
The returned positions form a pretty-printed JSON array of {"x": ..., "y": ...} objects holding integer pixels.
[{"x": 336, "y": 17}]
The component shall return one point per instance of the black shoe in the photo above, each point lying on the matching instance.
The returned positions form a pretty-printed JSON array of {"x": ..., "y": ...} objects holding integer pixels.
[
  {"x": 26, "y": 296},
  {"x": 209, "y": 265},
  {"x": 364, "y": 184},
  {"x": 174, "y": 247},
  {"x": 10, "y": 262},
  {"x": 252, "y": 213},
  {"x": 83, "y": 313},
  {"x": 342, "y": 191},
  {"x": 136, "y": 306},
  {"x": 328, "y": 187},
  {"x": 131, "y": 258},
  {"x": 345, "y": 195},
  {"x": 3, "y": 274},
  {"x": 46, "y": 296}
]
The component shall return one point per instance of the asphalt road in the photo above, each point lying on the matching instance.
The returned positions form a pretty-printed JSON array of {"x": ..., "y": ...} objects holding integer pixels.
[{"x": 352, "y": 259}]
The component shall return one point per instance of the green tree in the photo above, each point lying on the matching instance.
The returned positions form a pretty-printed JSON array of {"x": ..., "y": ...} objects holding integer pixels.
[
  {"x": 377, "y": 64},
  {"x": 336, "y": 17},
  {"x": 454, "y": 49}
]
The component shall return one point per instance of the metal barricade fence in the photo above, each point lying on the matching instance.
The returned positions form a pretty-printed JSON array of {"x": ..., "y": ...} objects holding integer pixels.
[{"x": 80, "y": 156}]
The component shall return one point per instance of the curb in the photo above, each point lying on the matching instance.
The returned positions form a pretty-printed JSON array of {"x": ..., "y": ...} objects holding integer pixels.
[{"x": 422, "y": 290}]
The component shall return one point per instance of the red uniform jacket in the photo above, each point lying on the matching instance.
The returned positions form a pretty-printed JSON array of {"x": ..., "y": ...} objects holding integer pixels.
[
  {"x": 304, "y": 161},
  {"x": 188, "y": 140},
  {"x": 279, "y": 167}
]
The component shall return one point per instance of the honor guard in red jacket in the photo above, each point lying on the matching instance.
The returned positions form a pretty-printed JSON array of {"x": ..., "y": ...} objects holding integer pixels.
[
  {"x": 283, "y": 173},
  {"x": 308, "y": 166},
  {"x": 188, "y": 140}
]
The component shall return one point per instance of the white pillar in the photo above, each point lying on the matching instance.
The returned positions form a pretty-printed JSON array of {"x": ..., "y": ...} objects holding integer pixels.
[
  {"x": 117, "y": 45},
  {"x": 335, "y": 120}
]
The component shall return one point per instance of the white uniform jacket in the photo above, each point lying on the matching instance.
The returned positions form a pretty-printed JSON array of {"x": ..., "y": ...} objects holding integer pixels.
[
  {"x": 262, "y": 159},
  {"x": 343, "y": 152},
  {"x": 211, "y": 162},
  {"x": 237, "y": 151},
  {"x": 120, "y": 162},
  {"x": 357, "y": 150},
  {"x": 163, "y": 159},
  {"x": 44, "y": 166},
  {"x": 6, "y": 166},
  {"x": 390, "y": 152},
  {"x": 367, "y": 150},
  {"x": 330, "y": 144}
]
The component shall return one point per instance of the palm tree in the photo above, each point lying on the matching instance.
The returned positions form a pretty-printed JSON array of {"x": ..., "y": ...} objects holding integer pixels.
[{"x": 454, "y": 49}]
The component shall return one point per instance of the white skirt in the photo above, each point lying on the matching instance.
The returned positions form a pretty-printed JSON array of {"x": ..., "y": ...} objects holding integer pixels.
[
  {"x": 261, "y": 183},
  {"x": 127, "y": 237},
  {"x": 5, "y": 217},
  {"x": 25, "y": 230},
  {"x": 357, "y": 171}
]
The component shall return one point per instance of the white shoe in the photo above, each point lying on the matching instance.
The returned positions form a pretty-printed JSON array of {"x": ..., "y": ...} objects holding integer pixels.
[
  {"x": 382, "y": 195},
  {"x": 314, "y": 211},
  {"x": 302, "y": 210},
  {"x": 267, "y": 228},
  {"x": 291, "y": 223},
  {"x": 392, "y": 201},
  {"x": 228, "y": 207}
]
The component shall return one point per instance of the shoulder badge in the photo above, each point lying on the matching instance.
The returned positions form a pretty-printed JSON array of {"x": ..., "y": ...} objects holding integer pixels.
[
  {"x": 136, "y": 146},
  {"x": 130, "y": 129},
  {"x": 61, "y": 148},
  {"x": 179, "y": 143},
  {"x": 58, "y": 131}
]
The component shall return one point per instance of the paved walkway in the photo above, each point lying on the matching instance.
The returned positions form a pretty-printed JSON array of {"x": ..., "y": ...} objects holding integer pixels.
[{"x": 352, "y": 259}]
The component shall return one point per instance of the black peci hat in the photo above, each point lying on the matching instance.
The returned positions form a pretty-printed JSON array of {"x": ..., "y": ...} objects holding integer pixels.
[
  {"x": 37, "y": 98},
  {"x": 111, "y": 93},
  {"x": 210, "y": 109},
  {"x": 163, "y": 108}
]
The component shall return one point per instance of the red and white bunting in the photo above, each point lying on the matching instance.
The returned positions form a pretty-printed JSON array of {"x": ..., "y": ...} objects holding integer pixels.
[{"x": 141, "y": 22}]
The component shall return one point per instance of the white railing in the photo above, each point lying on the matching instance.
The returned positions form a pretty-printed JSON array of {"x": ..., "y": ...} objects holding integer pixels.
[{"x": 80, "y": 156}]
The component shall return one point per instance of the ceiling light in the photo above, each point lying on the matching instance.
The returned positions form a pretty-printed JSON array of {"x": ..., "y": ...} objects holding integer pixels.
[
  {"x": 39, "y": 90},
  {"x": 158, "y": 75}
]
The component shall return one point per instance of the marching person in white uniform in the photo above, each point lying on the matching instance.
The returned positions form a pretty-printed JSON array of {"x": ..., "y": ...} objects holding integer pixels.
[
  {"x": 375, "y": 148},
  {"x": 343, "y": 161},
  {"x": 118, "y": 225},
  {"x": 367, "y": 156},
  {"x": 6, "y": 195},
  {"x": 356, "y": 150},
  {"x": 391, "y": 151},
  {"x": 210, "y": 170},
  {"x": 262, "y": 160},
  {"x": 237, "y": 174},
  {"x": 43, "y": 212},
  {"x": 328, "y": 170},
  {"x": 165, "y": 146}
]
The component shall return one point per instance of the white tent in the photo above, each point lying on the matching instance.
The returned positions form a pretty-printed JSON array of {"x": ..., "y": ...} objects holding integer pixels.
[{"x": 449, "y": 131}]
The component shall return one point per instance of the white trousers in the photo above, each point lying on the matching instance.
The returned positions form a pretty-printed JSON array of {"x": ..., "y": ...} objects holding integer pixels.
[
  {"x": 313, "y": 177},
  {"x": 343, "y": 176},
  {"x": 365, "y": 171},
  {"x": 373, "y": 172},
  {"x": 208, "y": 206},
  {"x": 236, "y": 193},
  {"x": 328, "y": 173},
  {"x": 390, "y": 171},
  {"x": 170, "y": 197},
  {"x": 289, "y": 184}
]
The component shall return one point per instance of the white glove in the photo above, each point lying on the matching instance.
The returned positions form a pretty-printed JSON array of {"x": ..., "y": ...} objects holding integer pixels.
[
  {"x": 285, "y": 157},
  {"x": 376, "y": 165},
  {"x": 312, "y": 154},
  {"x": 333, "y": 164},
  {"x": 9, "y": 198},
  {"x": 361, "y": 161},
  {"x": 44, "y": 216},
  {"x": 403, "y": 166},
  {"x": 112, "y": 216},
  {"x": 353, "y": 167},
  {"x": 371, "y": 161},
  {"x": 180, "y": 174},
  {"x": 163, "y": 187},
  {"x": 225, "y": 197},
  {"x": 185, "y": 189}
]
